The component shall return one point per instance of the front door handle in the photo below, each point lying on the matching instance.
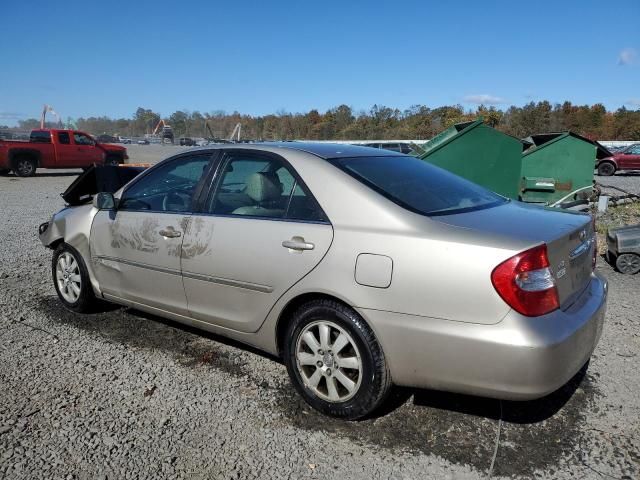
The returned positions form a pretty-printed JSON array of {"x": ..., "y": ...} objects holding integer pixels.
[
  {"x": 170, "y": 232},
  {"x": 298, "y": 243}
]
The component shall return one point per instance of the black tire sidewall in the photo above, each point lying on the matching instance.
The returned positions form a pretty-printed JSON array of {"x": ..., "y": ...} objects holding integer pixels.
[
  {"x": 86, "y": 299},
  {"x": 624, "y": 255},
  {"x": 606, "y": 165},
  {"x": 373, "y": 380},
  {"x": 33, "y": 163}
]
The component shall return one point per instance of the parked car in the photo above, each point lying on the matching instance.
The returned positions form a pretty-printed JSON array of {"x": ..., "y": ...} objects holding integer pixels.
[
  {"x": 52, "y": 148},
  {"x": 125, "y": 140},
  {"x": 359, "y": 268},
  {"x": 626, "y": 159},
  {"x": 187, "y": 142},
  {"x": 623, "y": 248},
  {"x": 106, "y": 139},
  {"x": 402, "y": 147},
  {"x": 143, "y": 141}
]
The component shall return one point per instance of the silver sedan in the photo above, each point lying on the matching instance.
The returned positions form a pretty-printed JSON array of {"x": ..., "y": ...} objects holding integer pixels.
[{"x": 360, "y": 268}]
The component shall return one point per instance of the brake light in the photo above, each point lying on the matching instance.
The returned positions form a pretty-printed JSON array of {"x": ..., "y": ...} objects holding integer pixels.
[{"x": 526, "y": 282}]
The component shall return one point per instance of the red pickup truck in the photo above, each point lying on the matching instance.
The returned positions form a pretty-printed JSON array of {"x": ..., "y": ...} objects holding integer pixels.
[
  {"x": 51, "y": 148},
  {"x": 626, "y": 159}
]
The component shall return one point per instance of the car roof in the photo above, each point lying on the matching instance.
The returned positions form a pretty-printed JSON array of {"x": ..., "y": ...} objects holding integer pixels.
[{"x": 322, "y": 150}]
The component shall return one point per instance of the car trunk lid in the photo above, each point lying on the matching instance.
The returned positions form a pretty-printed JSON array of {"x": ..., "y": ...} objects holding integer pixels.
[{"x": 569, "y": 237}]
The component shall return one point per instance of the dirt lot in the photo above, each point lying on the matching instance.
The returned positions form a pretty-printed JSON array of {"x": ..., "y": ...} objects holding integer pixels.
[{"x": 122, "y": 394}]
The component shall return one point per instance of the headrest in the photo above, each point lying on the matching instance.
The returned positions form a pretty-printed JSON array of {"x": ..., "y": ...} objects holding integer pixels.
[{"x": 262, "y": 187}]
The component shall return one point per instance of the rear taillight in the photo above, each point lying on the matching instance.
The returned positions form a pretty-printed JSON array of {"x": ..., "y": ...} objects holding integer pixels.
[{"x": 526, "y": 282}]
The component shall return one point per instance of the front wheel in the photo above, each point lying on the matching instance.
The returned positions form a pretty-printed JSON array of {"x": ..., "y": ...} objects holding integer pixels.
[
  {"x": 71, "y": 280},
  {"x": 335, "y": 361},
  {"x": 606, "y": 169}
]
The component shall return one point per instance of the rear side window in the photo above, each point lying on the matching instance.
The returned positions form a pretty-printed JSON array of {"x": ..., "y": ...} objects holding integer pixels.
[
  {"x": 417, "y": 185},
  {"x": 255, "y": 186},
  {"x": 63, "y": 138},
  {"x": 40, "y": 136}
]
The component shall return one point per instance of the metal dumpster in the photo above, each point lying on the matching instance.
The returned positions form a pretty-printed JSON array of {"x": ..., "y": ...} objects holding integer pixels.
[
  {"x": 478, "y": 153},
  {"x": 558, "y": 167}
]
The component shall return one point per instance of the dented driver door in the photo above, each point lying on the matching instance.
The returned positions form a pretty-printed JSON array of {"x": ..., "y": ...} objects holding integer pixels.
[
  {"x": 136, "y": 257},
  {"x": 135, "y": 249}
]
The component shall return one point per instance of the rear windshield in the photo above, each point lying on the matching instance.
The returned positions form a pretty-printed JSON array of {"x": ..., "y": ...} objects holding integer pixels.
[{"x": 417, "y": 185}]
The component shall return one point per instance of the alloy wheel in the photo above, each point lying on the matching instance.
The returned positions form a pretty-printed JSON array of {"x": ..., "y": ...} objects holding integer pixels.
[
  {"x": 68, "y": 277},
  {"x": 628, "y": 263},
  {"x": 328, "y": 361},
  {"x": 25, "y": 168}
]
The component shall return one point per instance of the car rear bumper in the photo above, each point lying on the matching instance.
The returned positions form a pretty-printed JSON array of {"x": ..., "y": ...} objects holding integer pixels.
[{"x": 519, "y": 358}]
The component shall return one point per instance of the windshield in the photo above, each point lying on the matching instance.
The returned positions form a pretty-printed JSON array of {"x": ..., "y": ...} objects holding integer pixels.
[{"x": 417, "y": 185}]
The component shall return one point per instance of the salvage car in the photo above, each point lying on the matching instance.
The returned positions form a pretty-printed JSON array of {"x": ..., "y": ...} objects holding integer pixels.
[
  {"x": 626, "y": 159},
  {"x": 623, "y": 248},
  {"x": 361, "y": 269}
]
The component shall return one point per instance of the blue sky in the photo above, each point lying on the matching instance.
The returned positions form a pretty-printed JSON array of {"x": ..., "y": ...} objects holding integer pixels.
[{"x": 108, "y": 58}]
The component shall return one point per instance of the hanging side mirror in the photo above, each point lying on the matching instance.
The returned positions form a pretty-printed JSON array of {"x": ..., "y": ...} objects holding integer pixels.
[{"x": 104, "y": 201}]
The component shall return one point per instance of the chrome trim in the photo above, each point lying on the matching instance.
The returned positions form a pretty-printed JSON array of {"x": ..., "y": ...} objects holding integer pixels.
[
  {"x": 582, "y": 248},
  {"x": 254, "y": 217},
  {"x": 229, "y": 282},
  {"x": 102, "y": 258},
  {"x": 196, "y": 276}
]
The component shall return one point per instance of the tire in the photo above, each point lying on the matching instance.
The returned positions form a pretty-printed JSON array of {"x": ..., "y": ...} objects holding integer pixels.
[
  {"x": 4, "y": 171},
  {"x": 112, "y": 160},
  {"x": 628, "y": 263},
  {"x": 606, "y": 169},
  {"x": 68, "y": 269},
  {"x": 358, "y": 389},
  {"x": 24, "y": 166}
]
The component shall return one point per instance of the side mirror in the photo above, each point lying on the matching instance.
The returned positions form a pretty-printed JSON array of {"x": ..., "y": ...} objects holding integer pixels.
[{"x": 104, "y": 201}]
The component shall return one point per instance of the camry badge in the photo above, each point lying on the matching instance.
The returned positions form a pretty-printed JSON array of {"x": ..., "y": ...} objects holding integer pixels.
[{"x": 562, "y": 270}]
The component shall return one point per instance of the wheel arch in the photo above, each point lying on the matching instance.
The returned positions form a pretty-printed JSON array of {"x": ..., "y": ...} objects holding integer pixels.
[
  {"x": 612, "y": 161},
  {"x": 16, "y": 153},
  {"x": 293, "y": 304}
]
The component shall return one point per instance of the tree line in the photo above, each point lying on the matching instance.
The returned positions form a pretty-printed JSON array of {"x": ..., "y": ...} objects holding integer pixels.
[{"x": 380, "y": 122}]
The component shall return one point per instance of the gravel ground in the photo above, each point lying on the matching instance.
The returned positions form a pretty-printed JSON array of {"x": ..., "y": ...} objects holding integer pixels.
[
  {"x": 121, "y": 394},
  {"x": 629, "y": 181}
]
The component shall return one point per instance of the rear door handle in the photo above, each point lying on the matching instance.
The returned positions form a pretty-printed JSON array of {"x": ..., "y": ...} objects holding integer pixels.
[
  {"x": 170, "y": 232},
  {"x": 298, "y": 243}
]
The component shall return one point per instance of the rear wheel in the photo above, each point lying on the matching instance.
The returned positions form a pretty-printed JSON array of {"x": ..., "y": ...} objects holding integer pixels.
[
  {"x": 628, "y": 263},
  {"x": 25, "y": 166},
  {"x": 606, "y": 169},
  {"x": 3, "y": 171},
  {"x": 71, "y": 280},
  {"x": 335, "y": 361}
]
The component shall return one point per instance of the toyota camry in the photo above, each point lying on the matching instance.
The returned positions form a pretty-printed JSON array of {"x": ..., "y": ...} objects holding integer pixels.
[{"x": 361, "y": 268}]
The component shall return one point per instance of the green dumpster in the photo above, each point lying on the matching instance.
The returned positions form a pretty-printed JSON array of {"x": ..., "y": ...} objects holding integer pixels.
[
  {"x": 478, "y": 153},
  {"x": 558, "y": 167}
]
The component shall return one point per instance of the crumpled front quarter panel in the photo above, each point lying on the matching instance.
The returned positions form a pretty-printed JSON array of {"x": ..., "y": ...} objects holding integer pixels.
[{"x": 73, "y": 226}]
